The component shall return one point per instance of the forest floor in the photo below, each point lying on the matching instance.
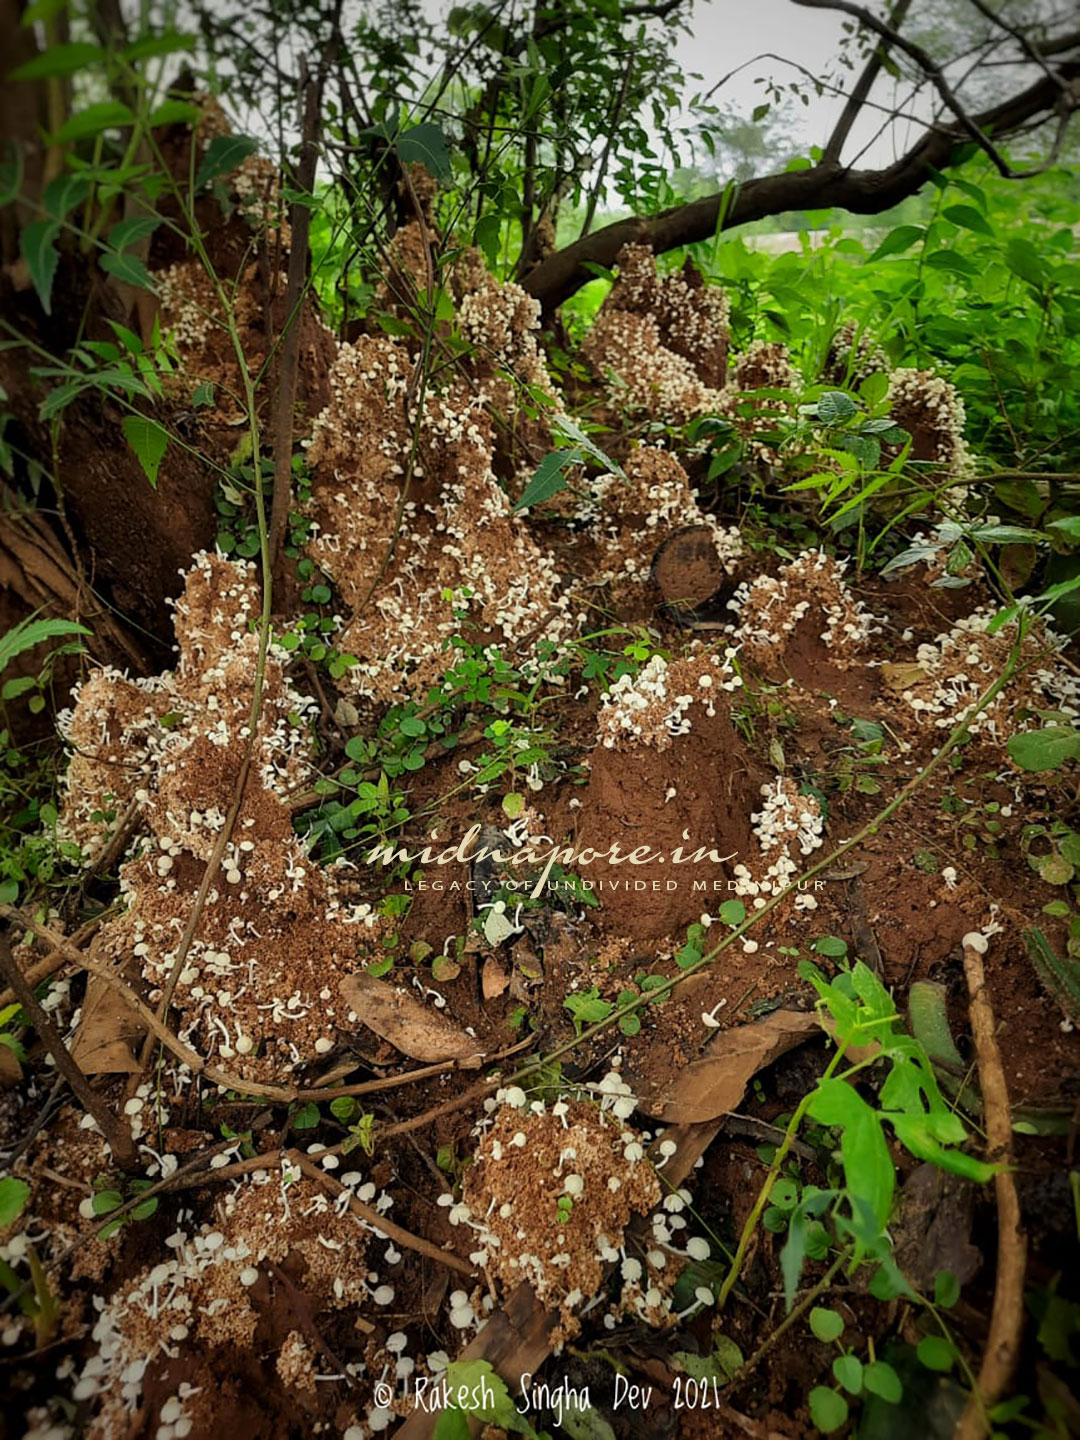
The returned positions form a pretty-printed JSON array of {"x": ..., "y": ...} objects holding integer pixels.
[{"x": 394, "y": 1118}]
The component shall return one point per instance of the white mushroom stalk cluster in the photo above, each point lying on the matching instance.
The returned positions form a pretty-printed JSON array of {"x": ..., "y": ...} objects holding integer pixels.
[
  {"x": 199, "y": 1298},
  {"x": 258, "y": 985},
  {"x": 550, "y": 1197},
  {"x": 961, "y": 663},
  {"x": 812, "y": 587},
  {"x": 931, "y": 409},
  {"x": 407, "y": 564},
  {"x": 630, "y": 515},
  {"x": 659, "y": 704},
  {"x": 787, "y": 822}
]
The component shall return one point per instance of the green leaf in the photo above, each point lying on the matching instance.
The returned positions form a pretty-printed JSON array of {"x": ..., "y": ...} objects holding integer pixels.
[
  {"x": 1023, "y": 259},
  {"x": 59, "y": 60},
  {"x": 14, "y": 1194},
  {"x": 44, "y": 10},
  {"x": 202, "y": 395},
  {"x": 935, "y": 1353},
  {"x": 65, "y": 193},
  {"x": 105, "y": 115},
  {"x": 827, "y": 1325},
  {"x": 174, "y": 112},
  {"x": 127, "y": 268},
  {"x": 31, "y": 632},
  {"x": 549, "y": 479},
  {"x": 848, "y": 1371},
  {"x": 1045, "y": 749},
  {"x": 106, "y": 1201},
  {"x": 969, "y": 218},
  {"x": 902, "y": 238},
  {"x": 1068, "y": 525},
  {"x": 828, "y": 1410},
  {"x": 425, "y": 144},
  {"x": 130, "y": 232},
  {"x": 868, "y": 1167},
  {"x": 481, "y": 1393},
  {"x": 452, "y": 1425},
  {"x": 834, "y": 405},
  {"x": 946, "y": 1289},
  {"x": 306, "y": 1117},
  {"x": 732, "y": 912},
  {"x": 570, "y": 430},
  {"x": 953, "y": 262},
  {"x": 37, "y": 244},
  {"x": 151, "y": 46},
  {"x": 149, "y": 441},
  {"x": 879, "y": 1378},
  {"x": 223, "y": 155}
]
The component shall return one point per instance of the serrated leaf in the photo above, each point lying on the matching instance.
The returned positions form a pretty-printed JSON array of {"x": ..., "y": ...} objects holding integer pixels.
[
  {"x": 149, "y": 442},
  {"x": 174, "y": 112},
  {"x": 65, "y": 193},
  {"x": 151, "y": 46},
  {"x": 130, "y": 232},
  {"x": 58, "y": 60},
  {"x": 127, "y": 268},
  {"x": 14, "y": 1194},
  {"x": 834, "y": 405},
  {"x": 37, "y": 244},
  {"x": 31, "y": 632},
  {"x": 105, "y": 115},
  {"x": 223, "y": 155}
]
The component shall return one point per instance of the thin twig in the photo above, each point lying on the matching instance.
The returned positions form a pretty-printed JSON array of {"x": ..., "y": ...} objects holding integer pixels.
[
  {"x": 116, "y": 1130},
  {"x": 370, "y": 1216}
]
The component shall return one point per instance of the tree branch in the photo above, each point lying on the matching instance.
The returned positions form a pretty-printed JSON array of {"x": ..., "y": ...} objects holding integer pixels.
[
  {"x": 863, "y": 192},
  {"x": 862, "y": 87},
  {"x": 927, "y": 64}
]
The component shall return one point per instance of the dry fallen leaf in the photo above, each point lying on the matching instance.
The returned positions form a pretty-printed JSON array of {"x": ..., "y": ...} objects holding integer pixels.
[
  {"x": 108, "y": 1030},
  {"x": 901, "y": 675},
  {"x": 407, "y": 1023},
  {"x": 494, "y": 979},
  {"x": 10, "y": 1069},
  {"x": 716, "y": 1083}
]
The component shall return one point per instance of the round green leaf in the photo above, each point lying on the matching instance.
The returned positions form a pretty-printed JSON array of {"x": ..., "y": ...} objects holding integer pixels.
[
  {"x": 826, "y": 1324},
  {"x": 848, "y": 1372},
  {"x": 828, "y": 1410},
  {"x": 946, "y": 1289},
  {"x": 935, "y": 1353},
  {"x": 882, "y": 1380}
]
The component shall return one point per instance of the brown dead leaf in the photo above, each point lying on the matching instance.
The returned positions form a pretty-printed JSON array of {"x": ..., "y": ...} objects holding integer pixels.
[
  {"x": 901, "y": 675},
  {"x": 10, "y": 1069},
  {"x": 716, "y": 1083},
  {"x": 494, "y": 980},
  {"x": 107, "y": 1033},
  {"x": 407, "y": 1023}
]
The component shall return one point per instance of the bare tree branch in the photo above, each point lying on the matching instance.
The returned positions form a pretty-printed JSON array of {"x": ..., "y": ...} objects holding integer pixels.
[
  {"x": 863, "y": 192},
  {"x": 860, "y": 91}
]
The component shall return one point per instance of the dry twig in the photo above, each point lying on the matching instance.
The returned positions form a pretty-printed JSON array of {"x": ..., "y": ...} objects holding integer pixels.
[{"x": 1007, "y": 1317}]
